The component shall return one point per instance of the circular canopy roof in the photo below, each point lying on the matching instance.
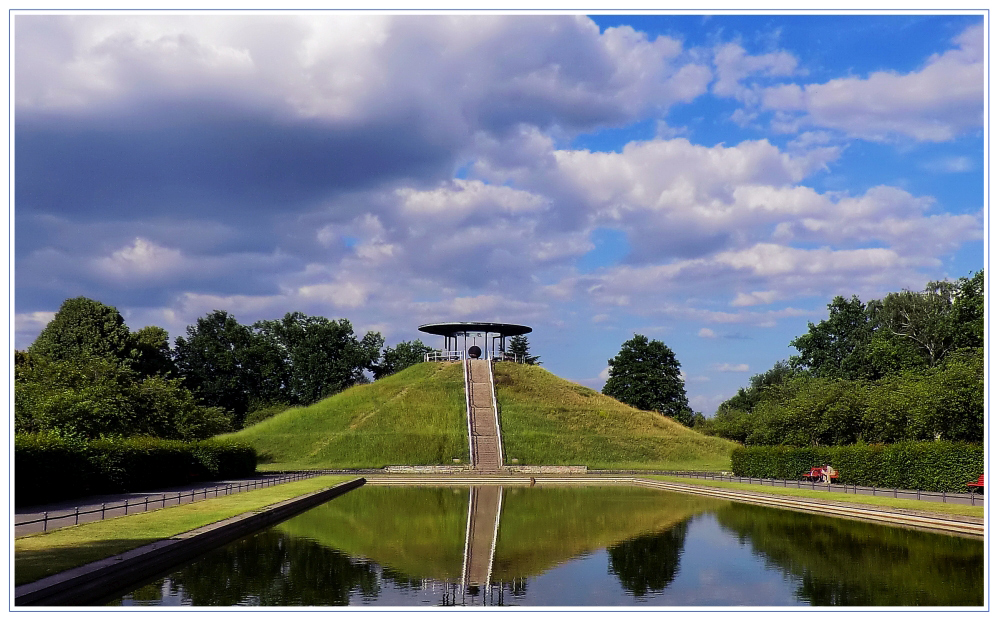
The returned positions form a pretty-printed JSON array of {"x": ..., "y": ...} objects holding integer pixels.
[{"x": 457, "y": 327}]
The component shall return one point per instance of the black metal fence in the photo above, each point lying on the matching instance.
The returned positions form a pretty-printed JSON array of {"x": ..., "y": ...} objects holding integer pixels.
[
  {"x": 964, "y": 498},
  {"x": 158, "y": 501}
]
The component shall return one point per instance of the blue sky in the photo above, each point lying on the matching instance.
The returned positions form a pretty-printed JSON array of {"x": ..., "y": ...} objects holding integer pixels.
[{"x": 709, "y": 181}]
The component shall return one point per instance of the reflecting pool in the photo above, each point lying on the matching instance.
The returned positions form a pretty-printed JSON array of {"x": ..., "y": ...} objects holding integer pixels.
[{"x": 572, "y": 546}]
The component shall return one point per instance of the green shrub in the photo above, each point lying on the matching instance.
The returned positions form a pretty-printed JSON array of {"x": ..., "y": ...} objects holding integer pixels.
[
  {"x": 932, "y": 466},
  {"x": 48, "y": 467}
]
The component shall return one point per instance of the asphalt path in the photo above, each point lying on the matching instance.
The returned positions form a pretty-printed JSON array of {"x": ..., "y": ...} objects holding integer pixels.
[{"x": 89, "y": 509}]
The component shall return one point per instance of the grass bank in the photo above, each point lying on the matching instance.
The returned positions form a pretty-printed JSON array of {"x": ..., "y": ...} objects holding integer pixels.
[
  {"x": 414, "y": 417},
  {"x": 857, "y": 499},
  {"x": 43, "y": 554},
  {"x": 548, "y": 420}
]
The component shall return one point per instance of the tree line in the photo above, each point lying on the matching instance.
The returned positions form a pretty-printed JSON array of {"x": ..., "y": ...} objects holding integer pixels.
[
  {"x": 87, "y": 375},
  {"x": 909, "y": 366}
]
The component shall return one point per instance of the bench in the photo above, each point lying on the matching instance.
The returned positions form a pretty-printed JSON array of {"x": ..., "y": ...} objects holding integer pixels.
[
  {"x": 815, "y": 474},
  {"x": 978, "y": 485}
]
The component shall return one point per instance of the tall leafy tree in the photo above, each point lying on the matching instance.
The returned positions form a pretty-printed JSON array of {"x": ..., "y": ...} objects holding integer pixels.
[
  {"x": 403, "y": 355},
  {"x": 323, "y": 356},
  {"x": 924, "y": 318},
  {"x": 835, "y": 346},
  {"x": 646, "y": 375},
  {"x": 969, "y": 311},
  {"x": 81, "y": 328},
  {"x": 226, "y": 365},
  {"x": 149, "y": 352}
]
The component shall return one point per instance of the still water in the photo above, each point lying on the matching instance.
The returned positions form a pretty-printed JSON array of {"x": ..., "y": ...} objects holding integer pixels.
[{"x": 572, "y": 546}]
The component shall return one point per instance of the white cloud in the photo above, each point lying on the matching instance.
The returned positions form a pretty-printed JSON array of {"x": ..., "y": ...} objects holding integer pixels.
[
  {"x": 731, "y": 368},
  {"x": 343, "y": 294},
  {"x": 353, "y": 68},
  {"x": 935, "y": 103},
  {"x": 754, "y": 298},
  {"x": 956, "y": 164},
  {"x": 141, "y": 259},
  {"x": 733, "y": 65},
  {"x": 28, "y": 325},
  {"x": 707, "y": 333}
]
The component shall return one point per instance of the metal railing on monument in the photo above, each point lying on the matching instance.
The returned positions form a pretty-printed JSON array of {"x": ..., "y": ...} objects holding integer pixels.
[{"x": 452, "y": 356}]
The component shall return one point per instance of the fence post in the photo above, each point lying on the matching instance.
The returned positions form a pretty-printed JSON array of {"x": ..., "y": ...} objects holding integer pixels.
[
  {"x": 126, "y": 506},
  {"x": 945, "y": 496},
  {"x": 917, "y": 493},
  {"x": 78, "y": 515},
  {"x": 45, "y": 521},
  {"x": 102, "y": 510},
  {"x": 146, "y": 508}
]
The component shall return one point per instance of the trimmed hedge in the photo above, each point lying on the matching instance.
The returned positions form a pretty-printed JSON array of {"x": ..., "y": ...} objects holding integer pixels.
[
  {"x": 930, "y": 466},
  {"x": 48, "y": 467}
]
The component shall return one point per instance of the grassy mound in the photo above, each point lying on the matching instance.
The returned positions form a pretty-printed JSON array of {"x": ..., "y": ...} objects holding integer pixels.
[
  {"x": 548, "y": 420},
  {"x": 416, "y": 416}
]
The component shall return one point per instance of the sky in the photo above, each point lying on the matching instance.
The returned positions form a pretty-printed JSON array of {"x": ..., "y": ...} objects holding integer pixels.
[{"x": 708, "y": 181}]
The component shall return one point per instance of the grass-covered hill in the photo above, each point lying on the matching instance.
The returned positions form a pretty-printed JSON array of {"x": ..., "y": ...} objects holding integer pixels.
[
  {"x": 417, "y": 416},
  {"x": 548, "y": 420}
]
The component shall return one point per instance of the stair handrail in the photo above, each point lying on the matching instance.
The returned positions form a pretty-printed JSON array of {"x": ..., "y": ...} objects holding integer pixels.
[
  {"x": 467, "y": 367},
  {"x": 499, "y": 434}
]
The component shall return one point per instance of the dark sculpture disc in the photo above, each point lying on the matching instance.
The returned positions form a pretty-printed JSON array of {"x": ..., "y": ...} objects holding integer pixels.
[{"x": 474, "y": 352}]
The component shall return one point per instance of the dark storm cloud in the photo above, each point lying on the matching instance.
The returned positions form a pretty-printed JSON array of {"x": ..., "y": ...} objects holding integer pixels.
[{"x": 200, "y": 160}]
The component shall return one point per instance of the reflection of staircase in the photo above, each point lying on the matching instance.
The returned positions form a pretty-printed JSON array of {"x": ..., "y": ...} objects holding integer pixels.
[
  {"x": 484, "y": 503},
  {"x": 483, "y": 423}
]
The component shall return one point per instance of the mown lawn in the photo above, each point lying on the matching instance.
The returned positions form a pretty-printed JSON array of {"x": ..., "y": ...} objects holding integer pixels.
[
  {"x": 548, "y": 420},
  {"x": 43, "y": 554},
  {"x": 414, "y": 417}
]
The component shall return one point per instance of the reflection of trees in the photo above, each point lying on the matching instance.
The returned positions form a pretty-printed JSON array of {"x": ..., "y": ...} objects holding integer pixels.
[
  {"x": 851, "y": 563},
  {"x": 648, "y": 563},
  {"x": 270, "y": 569}
]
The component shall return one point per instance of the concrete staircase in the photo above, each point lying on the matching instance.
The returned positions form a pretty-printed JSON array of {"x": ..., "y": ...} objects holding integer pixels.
[{"x": 487, "y": 453}]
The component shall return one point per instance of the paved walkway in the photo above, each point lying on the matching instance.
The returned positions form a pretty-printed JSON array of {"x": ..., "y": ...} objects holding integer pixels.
[
  {"x": 965, "y": 498},
  {"x": 64, "y": 513}
]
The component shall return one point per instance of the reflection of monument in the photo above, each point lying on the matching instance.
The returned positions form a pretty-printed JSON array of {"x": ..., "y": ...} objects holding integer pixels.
[{"x": 484, "y": 505}]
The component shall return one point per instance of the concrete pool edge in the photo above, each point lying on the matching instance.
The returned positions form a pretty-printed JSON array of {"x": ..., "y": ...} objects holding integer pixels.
[{"x": 91, "y": 583}]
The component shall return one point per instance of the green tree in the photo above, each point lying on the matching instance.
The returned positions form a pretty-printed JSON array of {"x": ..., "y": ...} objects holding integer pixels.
[
  {"x": 149, "y": 352},
  {"x": 835, "y": 346},
  {"x": 96, "y": 396},
  {"x": 81, "y": 328},
  {"x": 403, "y": 355},
  {"x": 969, "y": 311},
  {"x": 226, "y": 365},
  {"x": 924, "y": 318},
  {"x": 522, "y": 349},
  {"x": 322, "y": 356},
  {"x": 645, "y": 374}
]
